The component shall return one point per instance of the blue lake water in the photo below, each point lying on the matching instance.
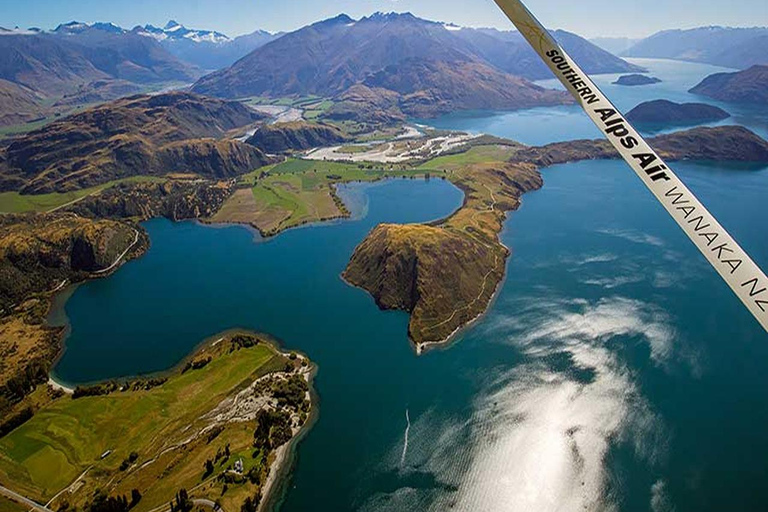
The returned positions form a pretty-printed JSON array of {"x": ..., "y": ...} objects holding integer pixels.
[
  {"x": 615, "y": 371},
  {"x": 553, "y": 124}
]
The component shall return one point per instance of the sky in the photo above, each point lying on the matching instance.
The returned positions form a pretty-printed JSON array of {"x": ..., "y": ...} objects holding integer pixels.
[{"x": 589, "y": 18}]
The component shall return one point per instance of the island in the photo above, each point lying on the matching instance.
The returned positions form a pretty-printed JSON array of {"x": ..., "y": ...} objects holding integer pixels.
[
  {"x": 636, "y": 79},
  {"x": 669, "y": 112},
  {"x": 747, "y": 86},
  {"x": 213, "y": 431}
]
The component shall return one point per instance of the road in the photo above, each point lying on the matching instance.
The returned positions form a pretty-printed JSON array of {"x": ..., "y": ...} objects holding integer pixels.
[
  {"x": 21, "y": 499},
  {"x": 135, "y": 239},
  {"x": 41, "y": 508}
]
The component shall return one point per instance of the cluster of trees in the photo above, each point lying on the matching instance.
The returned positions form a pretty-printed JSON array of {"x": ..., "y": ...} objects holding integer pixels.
[
  {"x": 214, "y": 433},
  {"x": 273, "y": 429},
  {"x": 239, "y": 341},
  {"x": 132, "y": 457},
  {"x": 16, "y": 420},
  {"x": 290, "y": 392},
  {"x": 208, "y": 468},
  {"x": 95, "y": 390},
  {"x": 146, "y": 384},
  {"x": 196, "y": 364},
  {"x": 182, "y": 502},
  {"x": 112, "y": 386},
  {"x": 251, "y": 504},
  {"x": 222, "y": 454},
  {"x": 25, "y": 381},
  {"x": 104, "y": 503}
]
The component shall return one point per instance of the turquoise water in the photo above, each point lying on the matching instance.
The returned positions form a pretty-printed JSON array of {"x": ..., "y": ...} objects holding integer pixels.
[
  {"x": 553, "y": 124},
  {"x": 615, "y": 371}
]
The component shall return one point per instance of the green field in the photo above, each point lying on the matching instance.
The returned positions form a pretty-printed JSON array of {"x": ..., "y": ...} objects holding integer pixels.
[
  {"x": 68, "y": 436},
  {"x": 13, "y": 202},
  {"x": 297, "y": 192},
  {"x": 302, "y": 188},
  {"x": 475, "y": 155}
]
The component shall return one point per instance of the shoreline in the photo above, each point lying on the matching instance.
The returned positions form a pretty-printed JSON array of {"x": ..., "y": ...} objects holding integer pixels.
[
  {"x": 422, "y": 347},
  {"x": 52, "y": 382},
  {"x": 348, "y": 215},
  {"x": 280, "y": 474},
  {"x": 280, "y": 471}
]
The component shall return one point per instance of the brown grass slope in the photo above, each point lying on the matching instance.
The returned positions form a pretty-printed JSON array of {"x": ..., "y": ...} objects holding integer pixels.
[
  {"x": 37, "y": 252},
  {"x": 18, "y": 104},
  {"x": 445, "y": 274},
  {"x": 139, "y": 135},
  {"x": 297, "y": 135}
]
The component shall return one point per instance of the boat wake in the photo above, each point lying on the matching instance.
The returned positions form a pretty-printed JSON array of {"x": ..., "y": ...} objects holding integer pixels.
[{"x": 405, "y": 442}]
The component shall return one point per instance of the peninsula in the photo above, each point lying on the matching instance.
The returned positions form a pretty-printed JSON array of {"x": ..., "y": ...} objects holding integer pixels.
[
  {"x": 747, "y": 86},
  {"x": 215, "y": 429},
  {"x": 445, "y": 273}
]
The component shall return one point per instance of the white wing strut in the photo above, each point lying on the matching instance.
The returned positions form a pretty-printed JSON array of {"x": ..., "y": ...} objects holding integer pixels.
[{"x": 733, "y": 264}]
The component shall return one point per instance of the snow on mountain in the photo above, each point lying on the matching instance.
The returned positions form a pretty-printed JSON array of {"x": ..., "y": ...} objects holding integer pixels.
[{"x": 174, "y": 30}]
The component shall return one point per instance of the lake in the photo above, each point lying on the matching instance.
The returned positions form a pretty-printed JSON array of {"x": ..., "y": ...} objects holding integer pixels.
[
  {"x": 543, "y": 125},
  {"x": 615, "y": 371}
]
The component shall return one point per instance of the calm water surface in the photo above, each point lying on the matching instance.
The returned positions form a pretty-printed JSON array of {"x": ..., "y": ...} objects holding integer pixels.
[
  {"x": 553, "y": 124},
  {"x": 615, "y": 371}
]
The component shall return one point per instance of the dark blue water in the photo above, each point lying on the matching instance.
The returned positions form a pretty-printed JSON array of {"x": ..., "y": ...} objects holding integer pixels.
[
  {"x": 553, "y": 124},
  {"x": 196, "y": 281},
  {"x": 615, "y": 371}
]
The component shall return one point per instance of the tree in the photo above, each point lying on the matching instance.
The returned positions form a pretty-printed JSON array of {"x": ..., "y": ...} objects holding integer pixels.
[
  {"x": 103, "y": 503},
  {"x": 135, "y": 498},
  {"x": 182, "y": 502},
  {"x": 208, "y": 468}
]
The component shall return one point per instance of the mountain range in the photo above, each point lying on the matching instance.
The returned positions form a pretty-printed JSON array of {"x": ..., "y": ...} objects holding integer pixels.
[
  {"x": 59, "y": 62},
  {"x": 737, "y": 48},
  {"x": 206, "y": 49},
  {"x": 328, "y": 57},
  {"x": 615, "y": 45},
  {"x": 404, "y": 64}
]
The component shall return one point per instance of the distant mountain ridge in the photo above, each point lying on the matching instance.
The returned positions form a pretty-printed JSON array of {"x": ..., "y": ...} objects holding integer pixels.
[
  {"x": 206, "y": 49},
  {"x": 737, "y": 48},
  {"x": 73, "y": 54},
  {"x": 615, "y": 45},
  {"x": 508, "y": 51},
  {"x": 435, "y": 67},
  {"x": 175, "y": 30}
]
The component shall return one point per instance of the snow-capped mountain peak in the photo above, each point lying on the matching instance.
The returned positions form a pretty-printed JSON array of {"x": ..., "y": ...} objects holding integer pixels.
[{"x": 174, "y": 30}]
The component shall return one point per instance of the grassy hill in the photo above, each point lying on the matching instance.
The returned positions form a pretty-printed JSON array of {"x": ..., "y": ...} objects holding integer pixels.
[
  {"x": 172, "y": 425},
  {"x": 139, "y": 135}
]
